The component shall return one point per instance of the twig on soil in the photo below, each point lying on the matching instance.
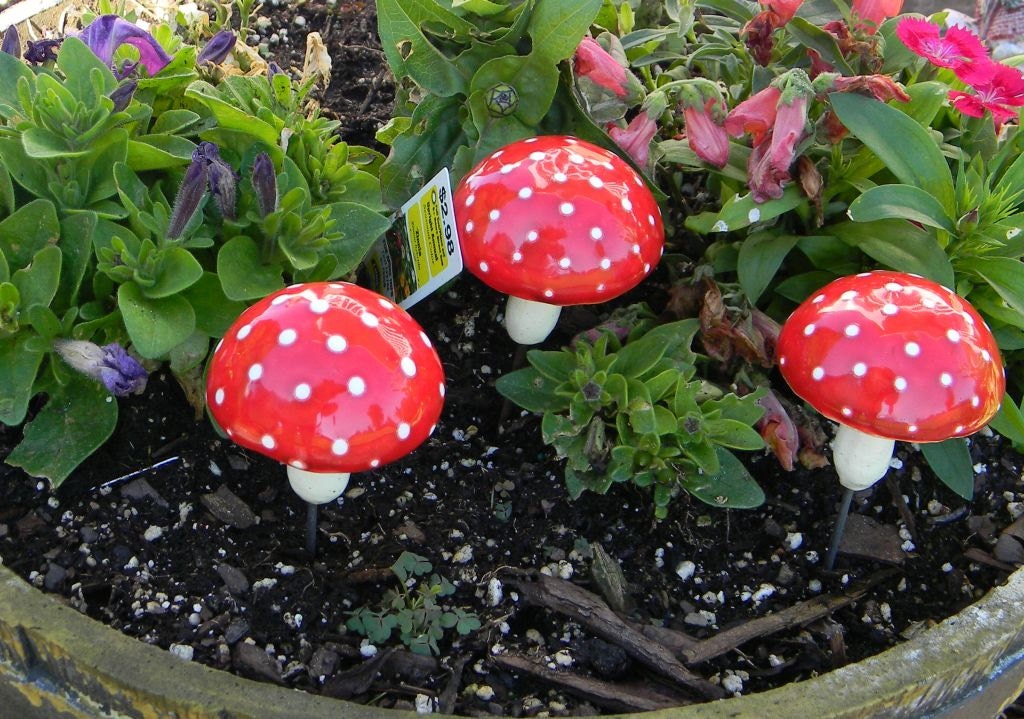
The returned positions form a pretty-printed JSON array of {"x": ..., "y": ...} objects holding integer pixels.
[
  {"x": 797, "y": 615},
  {"x": 616, "y": 697},
  {"x": 593, "y": 613},
  {"x": 901, "y": 504},
  {"x": 446, "y": 701}
]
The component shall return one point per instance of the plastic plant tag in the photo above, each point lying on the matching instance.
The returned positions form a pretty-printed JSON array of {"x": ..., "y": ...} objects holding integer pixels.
[{"x": 421, "y": 251}]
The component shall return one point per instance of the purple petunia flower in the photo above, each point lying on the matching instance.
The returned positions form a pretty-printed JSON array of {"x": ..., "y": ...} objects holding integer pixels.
[
  {"x": 111, "y": 365},
  {"x": 107, "y": 33}
]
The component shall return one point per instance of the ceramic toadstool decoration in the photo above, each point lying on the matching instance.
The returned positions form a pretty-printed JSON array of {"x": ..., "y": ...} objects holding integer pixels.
[
  {"x": 889, "y": 356},
  {"x": 328, "y": 378},
  {"x": 553, "y": 221}
]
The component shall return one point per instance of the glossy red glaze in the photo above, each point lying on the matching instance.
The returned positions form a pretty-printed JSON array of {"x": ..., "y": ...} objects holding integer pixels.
[
  {"x": 328, "y": 377},
  {"x": 893, "y": 355},
  {"x": 558, "y": 220}
]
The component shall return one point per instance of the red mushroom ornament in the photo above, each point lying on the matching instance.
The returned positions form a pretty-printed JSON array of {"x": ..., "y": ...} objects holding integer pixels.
[
  {"x": 328, "y": 378},
  {"x": 553, "y": 221},
  {"x": 889, "y": 356}
]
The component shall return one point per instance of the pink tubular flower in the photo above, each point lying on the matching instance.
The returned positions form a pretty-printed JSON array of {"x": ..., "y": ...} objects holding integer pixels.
[
  {"x": 595, "y": 63},
  {"x": 957, "y": 48},
  {"x": 873, "y": 12},
  {"x": 790, "y": 126},
  {"x": 707, "y": 138},
  {"x": 785, "y": 9},
  {"x": 997, "y": 87},
  {"x": 755, "y": 115},
  {"x": 635, "y": 138},
  {"x": 763, "y": 178}
]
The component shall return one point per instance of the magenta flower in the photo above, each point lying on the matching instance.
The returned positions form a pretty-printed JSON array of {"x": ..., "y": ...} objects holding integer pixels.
[
  {"x": 107, "y": 33},
  {"x": 755, "y": 115},
  {"x": 953, "y": 50},
  {"x": 997, "y": 87},
  {"x": 595, "y": 63},
  {"x": 706, "y": 137},
  {"x": 635, "y": 138},
  {"x": 789, "y": 129}
]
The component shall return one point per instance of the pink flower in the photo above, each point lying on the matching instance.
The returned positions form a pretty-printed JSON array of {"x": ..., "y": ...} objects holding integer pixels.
[
  {"x": 997, "y": 87},
  {"x": 635, "y": 139},
  {"x": 957, "y": 48},
  {"x": 706, "y": 137},
  {"x": 763, "y": 178},
  {"x": 873, "y": 12},
  {"x": 778, "y": 430},
  {"x": 785, "y": 9},
  {"x": 755, "y": 115},
  {"x": 595, "y": 63},
  {"x": 789, "y": 129}
]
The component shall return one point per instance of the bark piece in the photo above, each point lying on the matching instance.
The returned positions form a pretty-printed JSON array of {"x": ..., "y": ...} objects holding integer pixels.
[
  {"x": 864, "y": 537},
  {"x": 797, "y": 615},
  {"x": 229, "y": 508},
  {"x": 592, "y": 612},
  {"x": 613, "y": 696}
]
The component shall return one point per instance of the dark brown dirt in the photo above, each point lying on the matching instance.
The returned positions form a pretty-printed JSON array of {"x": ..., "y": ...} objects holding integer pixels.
[{"x": 141, "y": 537}]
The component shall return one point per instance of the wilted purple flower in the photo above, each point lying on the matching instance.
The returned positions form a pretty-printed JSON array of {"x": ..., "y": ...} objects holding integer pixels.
[
  {"x": 12, "y": 42},
  {"x": 123, "y": 93},
  {"x": 111, "y": 365},
  {"x": 218, "y": 48},
  {"x": 223, "y": 180},
  {"x": 264, "y": 181},
  {"x": 778, "y": 430},
  {"x": 107, "y": 33},
  {"x": 273, "y": 69},
  {"x": 40, "y": 51},
  {"x": 190, "y": 194}
]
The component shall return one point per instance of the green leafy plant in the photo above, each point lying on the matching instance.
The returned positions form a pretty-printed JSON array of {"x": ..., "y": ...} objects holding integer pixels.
[
  {"x": 414, "y": 609},
  {"x": 637, "y": 412},
  {"x": 474, "y": 76},
  {"x": 132, "y": 215}
]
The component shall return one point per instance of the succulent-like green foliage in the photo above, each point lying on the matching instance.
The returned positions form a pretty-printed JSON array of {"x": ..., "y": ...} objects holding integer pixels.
[
  {"x": 637, "y": 412},
  {"x": 414, "y": 609}
]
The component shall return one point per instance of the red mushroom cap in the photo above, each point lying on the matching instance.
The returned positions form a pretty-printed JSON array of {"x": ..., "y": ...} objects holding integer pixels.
[
  {"x": 893, "y": 355},
  {"x": 326, "y": 377},
  {"x": 558, "y": 220}
]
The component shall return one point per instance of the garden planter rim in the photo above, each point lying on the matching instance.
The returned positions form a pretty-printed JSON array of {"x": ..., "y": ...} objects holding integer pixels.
[{"x": 53, "y": 657}]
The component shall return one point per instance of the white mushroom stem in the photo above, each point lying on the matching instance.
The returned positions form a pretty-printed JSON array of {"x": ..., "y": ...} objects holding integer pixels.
[
  {"x": 529, "y": 322},
  {"x": 317, "y": 487},
  {"x": 860, "y": 459}
]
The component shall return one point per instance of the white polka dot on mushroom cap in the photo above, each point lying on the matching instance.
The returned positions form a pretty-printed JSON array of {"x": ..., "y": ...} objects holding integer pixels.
[
  {"x": 369, "y": 319},
  {"x": 525, "y": 193},
  {"x": 494, "y": 214},
  {"x": 565, "y": 263},
  {"x": 818, "y": 372},
  {"x": 900, "y": 383},
  {"x": 297, "y": 463},
  {"x": 255, "y": 372},
  {"x": 339, "y": 447},
  {"x": 374, "y": 463},
  {"x": 627, "y": 205},
  {"x": 357, "y": 386},
  {"x": 851, "y": 330},
  {"x": 596, "y": 182},
  {"x": 913, "y": 349},
  {"x": 268, "y": 441},
  {"x": 566, "y": 208},
  {"x": 470, "y": 199},
  {"x": 408, "y": 367},
  {"x": 532, "y": 236},
  {"x": 890, "y": 309},
  {"x": 336, "y": 343},
  {"x": 243, "y": 331},
  {"x": 484, "y": 267},
  {"x": 386, "y": 304},
  {"x": 946, "y": 379},
  {"x": 403, "y": 431},
  {"x": 860, "y": 369},
  {"x": 319, "y": 306},
  {"x": 303, "y": 392},
  {"x": 809, "y": 329},
  {"x": 218, "y": 396},
  {"x": 596, "y": 233},
  {"x": 605, "y": 263},
  {"x": 848, "y": 295},
  {"x": 560, "y": 177},
  {"x": 287, "y": 337},
  {"x": 953, "y": 336}
]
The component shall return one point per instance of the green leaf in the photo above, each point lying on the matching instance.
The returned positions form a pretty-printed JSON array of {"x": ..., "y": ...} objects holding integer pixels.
[
  {"x": 761, "y": 256},
  {"x": 214, "y": 311},
  {"x": 907, "y": 149},
  {"x": 906, "y": 202},
  {"x": 554, "y": 365},
  {"x": 159, "y": 152},
  {"x": 13, "y": 69},
  {"x": 18, "y": 368},
  {"x": 951, "y": 462},
  {"x": 732, "y": 486},
  {"x": 1009, "y": 422},
  {"x": 360, "y": 227},
  {"x": 733, "y": 434},
  {"x": 43, "y": 144},
  {"x": 242, "y": 272},
  {"x": 1003, "y": 274},
  {"x": 410, "y": 53},
  {"x": 531, "y": 391},
  {"x": 741, "y": 211},
  {"x": 155, "y": 325},
  {"x": 76, "y": 255},
  {"x": 38, "y": 283},
  {"x": 178, "y": 271},
  {"x": 229, "y": 116},
  {"x": 900, "y": 245},
  {"x": 556, "y": 27},
  {"x": 31, "y": 228},
  {"x": 79, "y": 417},
  {"x": 172, "y": 122}
]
